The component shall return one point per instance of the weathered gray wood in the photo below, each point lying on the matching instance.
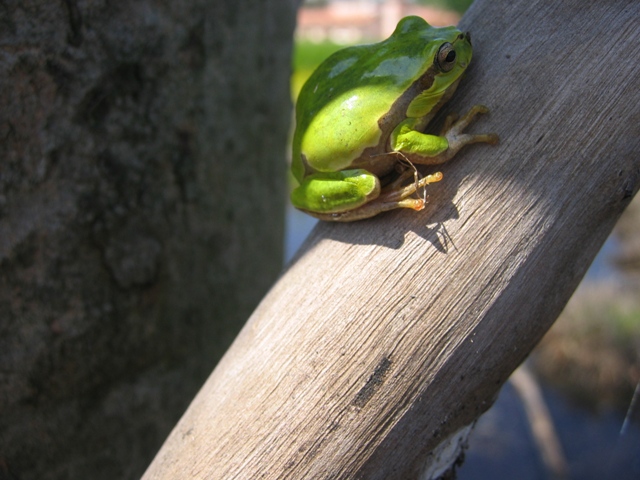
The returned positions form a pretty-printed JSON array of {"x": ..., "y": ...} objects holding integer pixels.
[
  {"x": 142, "y": 154},
  {"x": 385, "y": 336}
]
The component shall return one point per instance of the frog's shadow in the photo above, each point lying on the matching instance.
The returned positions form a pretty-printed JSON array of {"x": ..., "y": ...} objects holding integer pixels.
[{"x": 428, "y": 224}]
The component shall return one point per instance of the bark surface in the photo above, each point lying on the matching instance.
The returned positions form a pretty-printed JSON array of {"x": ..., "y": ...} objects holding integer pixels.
[{"x": 142, "y": 162}]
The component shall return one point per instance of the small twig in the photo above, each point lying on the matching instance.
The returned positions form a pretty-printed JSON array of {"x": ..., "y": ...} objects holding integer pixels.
[{"x": 544, "y": 433}]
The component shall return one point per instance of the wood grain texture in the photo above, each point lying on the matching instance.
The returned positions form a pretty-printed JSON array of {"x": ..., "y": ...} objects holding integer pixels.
[{"x": 385, "y": 336}]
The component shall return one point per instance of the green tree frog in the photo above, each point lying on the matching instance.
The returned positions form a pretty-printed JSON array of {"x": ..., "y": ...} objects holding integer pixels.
[{"x": 360, "y": 118}]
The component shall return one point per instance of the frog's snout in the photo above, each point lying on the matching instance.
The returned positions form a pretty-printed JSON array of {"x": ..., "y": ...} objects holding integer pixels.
[{"x": 464, "y": 37}]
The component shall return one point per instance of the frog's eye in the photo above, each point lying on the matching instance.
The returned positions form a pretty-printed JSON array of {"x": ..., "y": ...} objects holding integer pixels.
[{"x": 446, "y": 57}]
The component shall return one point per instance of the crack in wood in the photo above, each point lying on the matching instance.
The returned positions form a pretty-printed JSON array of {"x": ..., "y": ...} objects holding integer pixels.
[{"x": 372, "y": 384}]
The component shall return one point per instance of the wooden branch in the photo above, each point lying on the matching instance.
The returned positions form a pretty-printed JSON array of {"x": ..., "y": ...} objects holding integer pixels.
[
  {"x": 386, "y": 337},
  {"x": 540, "y": 421}
]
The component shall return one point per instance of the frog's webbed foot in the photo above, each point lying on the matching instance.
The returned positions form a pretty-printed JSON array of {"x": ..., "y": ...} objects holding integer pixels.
[
  {"x": 394, "y": 192},
  {"x": 453, "y": 129},
  {"x": 448, "y": 123},
  {"x": 398, "y": 194}
]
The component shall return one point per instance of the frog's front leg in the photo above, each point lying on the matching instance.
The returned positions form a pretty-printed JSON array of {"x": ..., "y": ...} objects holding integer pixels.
[{"x": 429, "y": 149}]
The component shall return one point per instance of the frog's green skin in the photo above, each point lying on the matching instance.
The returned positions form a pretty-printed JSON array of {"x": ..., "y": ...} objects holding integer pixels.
[{"x": 362, "y": 112}]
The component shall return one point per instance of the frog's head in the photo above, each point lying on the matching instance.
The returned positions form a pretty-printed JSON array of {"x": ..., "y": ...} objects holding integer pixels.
[
  {"x": 453, "y": 55},
  {"x": 447, "y": 48},
  {"x": 445, "y": 55},
  {"x": 450, "y": 61}
]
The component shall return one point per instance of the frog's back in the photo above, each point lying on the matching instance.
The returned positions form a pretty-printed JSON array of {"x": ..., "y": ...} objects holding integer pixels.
[{"x": 339, "y": 107}]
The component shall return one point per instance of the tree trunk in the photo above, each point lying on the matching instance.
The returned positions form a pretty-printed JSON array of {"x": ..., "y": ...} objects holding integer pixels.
[
  {"x": 386, "y": 338},
  {"x": 141, "y": 163}
]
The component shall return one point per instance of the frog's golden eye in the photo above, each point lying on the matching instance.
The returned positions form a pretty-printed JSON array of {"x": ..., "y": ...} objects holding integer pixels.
[{"x": 446, "y": 57}]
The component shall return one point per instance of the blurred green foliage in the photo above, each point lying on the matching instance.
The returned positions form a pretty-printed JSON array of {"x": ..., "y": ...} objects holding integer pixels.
[
  {"x": 306, "y": 57},
  {"x": 459, "y": 6}
]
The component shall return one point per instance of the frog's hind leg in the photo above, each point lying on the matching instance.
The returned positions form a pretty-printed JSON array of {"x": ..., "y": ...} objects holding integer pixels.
[{"x": 391, "y": 197}]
